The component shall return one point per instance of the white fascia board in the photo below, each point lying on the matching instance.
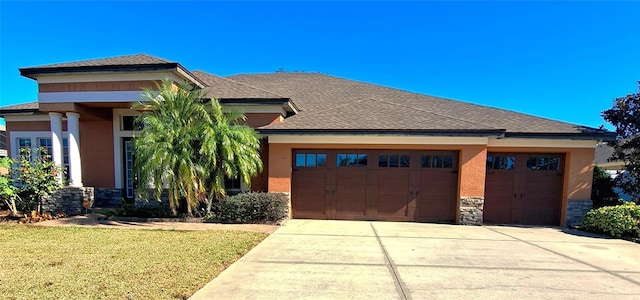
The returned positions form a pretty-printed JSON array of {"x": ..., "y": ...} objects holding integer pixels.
[
  {"x": 90, "y": 97},
  {"x": 376, "y": 140},
  {"x": 541, "y": 143},
  {"x": 107, "y": 77},
  {"x": 188, "y": 77}
]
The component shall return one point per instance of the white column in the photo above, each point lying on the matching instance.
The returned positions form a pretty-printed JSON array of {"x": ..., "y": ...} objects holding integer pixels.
[
  {"x": 75, "y": 164},
  {"x": 56, "y": 139}
]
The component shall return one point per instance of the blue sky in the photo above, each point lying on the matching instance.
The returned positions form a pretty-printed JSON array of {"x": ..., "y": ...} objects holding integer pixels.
[{"x": 560, "y": 60}]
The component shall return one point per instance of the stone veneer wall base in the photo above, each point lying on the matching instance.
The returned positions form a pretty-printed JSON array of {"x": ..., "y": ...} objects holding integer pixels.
[
  {"x": 68, "y": 200},
  {"x": 471, "y": 210},
  {"x": 576, "y": 210}
]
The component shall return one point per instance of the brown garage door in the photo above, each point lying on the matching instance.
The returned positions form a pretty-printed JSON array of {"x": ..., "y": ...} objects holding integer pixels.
[
  {"x": 523, "y": 188},
  {"x": 375, "y": 185}
]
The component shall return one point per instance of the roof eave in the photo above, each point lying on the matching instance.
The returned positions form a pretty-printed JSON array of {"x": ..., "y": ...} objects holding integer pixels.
[
  {"x": 286, "y": 103},
  {"x": 18, "y": 112},
  {"x": 605, "y": 136},
  {"x": 495, "y": 133},
  {"x": 33, "y": 72}
]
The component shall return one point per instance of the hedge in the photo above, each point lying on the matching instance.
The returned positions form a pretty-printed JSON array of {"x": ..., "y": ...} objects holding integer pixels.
[
  {"x": 617, "y": 221},
  {"x": 252, "y": 208}
]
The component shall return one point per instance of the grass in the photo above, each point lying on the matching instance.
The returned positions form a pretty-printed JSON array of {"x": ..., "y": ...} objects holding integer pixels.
[{"x": 94, "y": 263}]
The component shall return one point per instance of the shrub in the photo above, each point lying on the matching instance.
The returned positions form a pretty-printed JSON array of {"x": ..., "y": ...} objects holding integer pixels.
[
  {"x": 617, "y": 221},
  {"x": 252, "y": 208},
  {"x": 130, "y": 210}
]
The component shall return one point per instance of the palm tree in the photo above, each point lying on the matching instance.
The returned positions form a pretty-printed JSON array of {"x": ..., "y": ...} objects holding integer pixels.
[
  {"x": 230, "y": 148},
  {"x": 184, "y": 147}
]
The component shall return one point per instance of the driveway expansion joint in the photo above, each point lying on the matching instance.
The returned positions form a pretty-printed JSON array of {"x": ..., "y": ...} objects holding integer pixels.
[
  {"x": 571, "y": 258},
  {"x": 404, "y": 294}
]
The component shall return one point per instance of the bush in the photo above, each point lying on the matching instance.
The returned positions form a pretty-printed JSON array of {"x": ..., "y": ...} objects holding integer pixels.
[
  {"x": 130, "y": 210},
  {"x": 617, "y": 221},
  {"x": 252, "y": 208}
]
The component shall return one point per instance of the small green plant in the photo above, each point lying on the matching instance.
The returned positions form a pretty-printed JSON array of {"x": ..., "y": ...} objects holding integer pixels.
[
  {"x": 617, "y": 221},
  {"x": 8, "y": 192},
  {"x": 252, "y": 208},
  {"x": 37, "y": 178}
]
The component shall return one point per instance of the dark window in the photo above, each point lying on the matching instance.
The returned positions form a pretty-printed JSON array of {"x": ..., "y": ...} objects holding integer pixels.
[
  {"x": 501, "y": 162},
  {"x": 129, "y": 123},
  {"x": 543, "y": 163},
  {"x": 393, "y": 161},
  {"x": 232, "y": 184},
  {"x": 351, "y": 160},
  {"x": 437, "y": 161},
  {"x": 311, "y": 160},
  {"x": 383, "y": 161}
]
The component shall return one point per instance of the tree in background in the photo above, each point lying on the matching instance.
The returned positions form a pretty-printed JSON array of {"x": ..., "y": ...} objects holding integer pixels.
[
  {"x": 625, "y": 117},
  {"x": 188, "y": 149},
  {"x": 602, "y": 192}
]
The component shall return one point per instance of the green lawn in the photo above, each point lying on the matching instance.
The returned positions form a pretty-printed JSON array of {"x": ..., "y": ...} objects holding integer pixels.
[{"x": 94, "y": 263}]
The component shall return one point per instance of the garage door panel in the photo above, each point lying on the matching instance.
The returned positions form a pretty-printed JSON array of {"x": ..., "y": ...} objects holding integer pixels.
[
  {"x": 309, "y": 184},
  {"x": 437, "y": 192},
  {"x": 393, "y": 184}
]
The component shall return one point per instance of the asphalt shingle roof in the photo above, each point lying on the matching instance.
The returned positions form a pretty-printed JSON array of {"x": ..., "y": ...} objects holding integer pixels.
[
  {"x": 332, "y": 103},
  {"x": 23, "y": 106},
  {"x": 225, "y": 88},
  {"x": 136, "y": 59}
]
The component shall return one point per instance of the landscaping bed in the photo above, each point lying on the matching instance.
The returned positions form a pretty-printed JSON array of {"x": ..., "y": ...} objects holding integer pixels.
[{"x": 96, "y": 263}]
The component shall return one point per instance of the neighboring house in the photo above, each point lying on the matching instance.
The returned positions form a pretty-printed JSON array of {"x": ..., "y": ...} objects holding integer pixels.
[
  {"x": 613, "y": 167},
  {"x": 3, "y": 141},
  {"x": 341, "y": 149}
]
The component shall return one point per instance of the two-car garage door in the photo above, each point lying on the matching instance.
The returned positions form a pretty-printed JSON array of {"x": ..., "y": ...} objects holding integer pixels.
[
  {"x": 375, "y": 185},
  {"x": 422, "y": 186}
]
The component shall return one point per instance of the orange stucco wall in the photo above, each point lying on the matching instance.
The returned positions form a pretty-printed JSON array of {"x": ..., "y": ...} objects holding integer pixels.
[
  {"x": 96, "y": 86},
  {"x": 262, "y": 119},
  {"x": 473, "y": 161},
  {"x": 96, "y": 151},
  {"x": 27, "y": 126}
]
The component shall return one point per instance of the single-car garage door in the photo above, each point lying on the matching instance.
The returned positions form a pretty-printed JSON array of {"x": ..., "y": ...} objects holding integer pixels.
[
  {"x": 523, "y": 188},
  {"x": 375, "y": 185}
]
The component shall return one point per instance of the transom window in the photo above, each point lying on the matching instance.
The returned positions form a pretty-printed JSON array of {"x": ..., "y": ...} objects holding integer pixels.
[
  {"x": 351, "y": 160},
  {"x": 497, "y": 162},
  {"x": 437, "y": 161},
  {"x": 311, "y": 159},
  {"x": 393, "y": 161},
  {"x": 543, "y": 163}
]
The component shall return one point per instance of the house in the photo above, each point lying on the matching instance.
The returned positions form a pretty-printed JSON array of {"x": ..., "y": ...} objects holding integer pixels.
[
  {"x": 614, "y": 167},
  {"x": 342, "y": 149}
]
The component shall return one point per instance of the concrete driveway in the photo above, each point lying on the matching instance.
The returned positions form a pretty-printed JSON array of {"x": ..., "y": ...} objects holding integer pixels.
[{"x": 391, "y": 260}]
